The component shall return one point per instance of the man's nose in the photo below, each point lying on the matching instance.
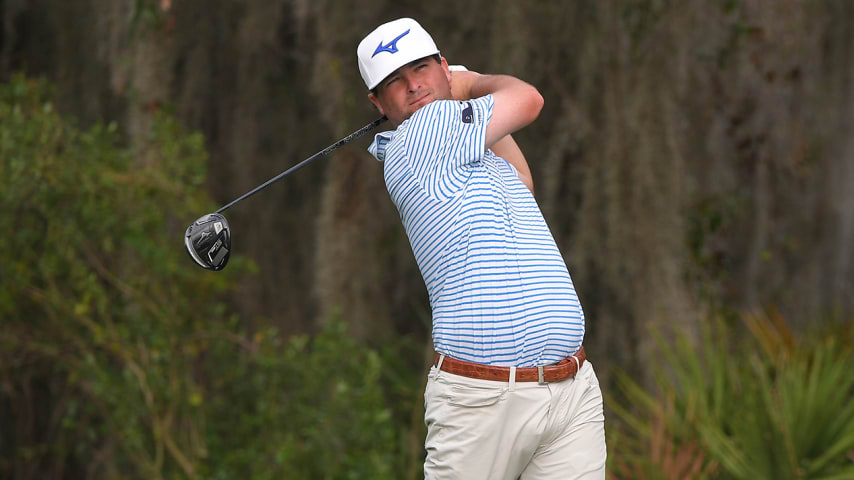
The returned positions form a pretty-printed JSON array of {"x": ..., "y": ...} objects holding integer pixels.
[{"x": 413, "y": 83}]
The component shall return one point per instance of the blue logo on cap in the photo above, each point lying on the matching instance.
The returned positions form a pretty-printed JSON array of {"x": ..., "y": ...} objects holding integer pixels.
[{"x": 390, "y": 47}]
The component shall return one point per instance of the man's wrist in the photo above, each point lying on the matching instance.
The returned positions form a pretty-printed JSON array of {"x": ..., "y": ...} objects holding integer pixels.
[{"x": 462, "y": 82}]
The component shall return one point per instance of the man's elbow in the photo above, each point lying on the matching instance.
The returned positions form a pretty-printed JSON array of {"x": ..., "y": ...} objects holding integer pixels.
[{"x": 533, "y": 103}]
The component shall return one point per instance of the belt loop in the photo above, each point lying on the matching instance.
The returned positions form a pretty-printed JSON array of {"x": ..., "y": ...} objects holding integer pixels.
[
  {"x": 512, "y": 379},
  {"x": 540, "y": 379},
  {"x": 439, "y": 364},
  {"x": 577, "y": 364}
]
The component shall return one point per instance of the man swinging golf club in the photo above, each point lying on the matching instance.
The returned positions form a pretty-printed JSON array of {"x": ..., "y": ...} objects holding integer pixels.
[{"x": 510, "y": 394}]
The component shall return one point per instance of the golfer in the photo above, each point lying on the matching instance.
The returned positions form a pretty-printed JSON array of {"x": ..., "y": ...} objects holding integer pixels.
[{"x": 510, "y": 394}]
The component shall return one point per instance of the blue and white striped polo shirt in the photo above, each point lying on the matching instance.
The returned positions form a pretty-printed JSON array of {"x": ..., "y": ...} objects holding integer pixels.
[{"x": 499, "y": 289}]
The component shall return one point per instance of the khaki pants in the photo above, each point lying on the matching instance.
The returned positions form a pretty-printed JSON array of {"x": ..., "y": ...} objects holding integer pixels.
[{"x": 483, "y": 429}]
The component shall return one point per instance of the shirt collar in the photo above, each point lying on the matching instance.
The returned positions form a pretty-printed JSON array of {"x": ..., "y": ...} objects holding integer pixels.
[{"x": 378, "y": 146}]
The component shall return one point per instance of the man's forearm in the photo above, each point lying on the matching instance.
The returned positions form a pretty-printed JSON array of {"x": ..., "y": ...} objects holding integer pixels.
[
  {"x": 486, "y": 84},
  {"x": 466, "y": 85}
]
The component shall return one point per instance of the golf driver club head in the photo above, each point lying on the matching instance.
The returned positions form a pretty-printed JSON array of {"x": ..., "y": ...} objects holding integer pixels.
[{"x": 208, "y": 241}]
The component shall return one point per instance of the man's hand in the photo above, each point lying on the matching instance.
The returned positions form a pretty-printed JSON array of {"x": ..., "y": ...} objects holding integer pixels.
[{"x": 461, "y": 83}]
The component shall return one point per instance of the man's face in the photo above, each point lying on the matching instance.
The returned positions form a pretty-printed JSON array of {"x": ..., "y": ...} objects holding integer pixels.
[{"x": 412, "y": 86}]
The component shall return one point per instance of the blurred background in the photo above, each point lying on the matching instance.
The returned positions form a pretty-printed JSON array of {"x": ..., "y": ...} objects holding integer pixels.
[{"x": 694, "y": 160}]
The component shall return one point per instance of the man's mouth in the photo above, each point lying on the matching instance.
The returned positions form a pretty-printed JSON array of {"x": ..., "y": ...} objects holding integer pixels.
[{"x": 419, "y": 99}]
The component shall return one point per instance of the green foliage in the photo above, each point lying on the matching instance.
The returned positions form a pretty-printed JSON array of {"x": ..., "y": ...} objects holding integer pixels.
[
  {"x": 99, "y": 306},
  {"x": 767, "y": 407},
  {"x": 117, "y": 357},
  {"x": 317, "y": 408}
]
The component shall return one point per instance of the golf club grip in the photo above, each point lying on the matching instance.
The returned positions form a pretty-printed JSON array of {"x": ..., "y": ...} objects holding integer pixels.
[{"x": 326, "y": 151}]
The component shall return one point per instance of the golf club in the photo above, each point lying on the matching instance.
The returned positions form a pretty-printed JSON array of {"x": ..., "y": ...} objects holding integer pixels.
[{"x": 208, "y": 239}]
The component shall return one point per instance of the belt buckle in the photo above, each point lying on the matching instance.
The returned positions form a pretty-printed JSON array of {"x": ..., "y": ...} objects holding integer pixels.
[{"x": 540, "y": 378}]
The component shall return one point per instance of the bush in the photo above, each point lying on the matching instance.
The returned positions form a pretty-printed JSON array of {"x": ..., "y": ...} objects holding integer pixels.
[
  {"x": 768, "y": 407},
  {"x": 318, "y": 408},
  {"x": 117, "y": 358}
]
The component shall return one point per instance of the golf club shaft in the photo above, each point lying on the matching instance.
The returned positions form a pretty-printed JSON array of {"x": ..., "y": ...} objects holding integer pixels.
[{"x": 326, "y": 151}]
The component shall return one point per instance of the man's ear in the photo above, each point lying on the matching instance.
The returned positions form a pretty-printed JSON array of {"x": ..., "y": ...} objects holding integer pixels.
[
  {"x": 446, "y": 68},
  {"x": 376, "y": 102}
]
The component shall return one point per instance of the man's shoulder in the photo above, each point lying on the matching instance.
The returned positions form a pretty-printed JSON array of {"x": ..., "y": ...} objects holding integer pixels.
[
  {"x": 434, "y": 108},
  {"x": 438, "y": 121},
  {"x": 456, "y": 111}
]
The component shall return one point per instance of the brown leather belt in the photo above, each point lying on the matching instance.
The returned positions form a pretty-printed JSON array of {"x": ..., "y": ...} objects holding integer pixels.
[{"x": 566, "y": 368}]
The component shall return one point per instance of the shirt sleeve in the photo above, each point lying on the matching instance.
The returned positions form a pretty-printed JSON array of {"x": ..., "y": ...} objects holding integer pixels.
[{"x": 445, "y": 141}]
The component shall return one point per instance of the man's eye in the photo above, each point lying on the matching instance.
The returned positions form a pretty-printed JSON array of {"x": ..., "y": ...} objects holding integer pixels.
[
  {"x": 390, "y": 81},
  {"x": 421, "y": 66}
]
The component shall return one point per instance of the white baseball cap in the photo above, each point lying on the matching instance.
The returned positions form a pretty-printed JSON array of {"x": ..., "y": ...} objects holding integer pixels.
[{"x": 391, "y": 46}]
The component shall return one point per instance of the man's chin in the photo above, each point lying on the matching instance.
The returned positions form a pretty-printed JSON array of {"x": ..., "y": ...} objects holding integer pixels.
[{"x": 414, "y": 107}]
